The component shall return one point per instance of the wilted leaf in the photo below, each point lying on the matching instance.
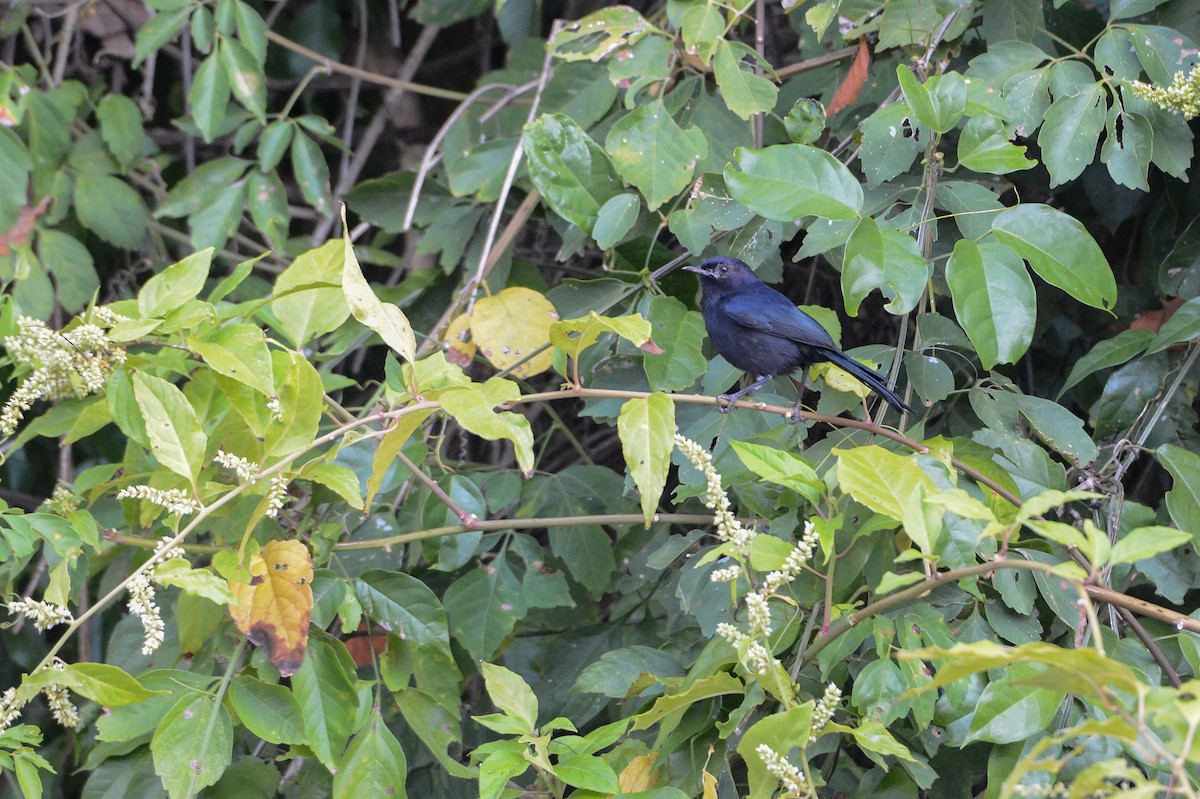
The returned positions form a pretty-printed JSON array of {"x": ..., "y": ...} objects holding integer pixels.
[{"x": 273, "y": 610}]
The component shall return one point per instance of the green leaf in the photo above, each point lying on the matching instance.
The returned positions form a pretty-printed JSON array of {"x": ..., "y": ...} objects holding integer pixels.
[
  {"x": 653, "y": 153},
  {"x": 401, "y": 602},
  {"x": 176, "y": 438},
  {"x": 111, "y": 209},
  {"x": 1127, "y": 149},
  {"x": 1184, "y": 325},
  {"x": 745, "y": 93},
  {"x": 178, "y": 573},
  {"x": 391, "y": 443},
  {"x": 267, "y": 198},
  {"x": 71, "y": 264},
  {"x": 1059, "y": 428},
  {"x": 573, "y": 336},
  {"x": 273, "y": 143},
  {"x": 324, "y": 688},
  {"x": 587, "y": 772},
  {"x": 251, "y": 30},
  {"x": 309, "y": 299},
  {"x": 509, "y": 692},
  {"x": 245, "y": 76},
  {"x": 787, "y": 181},
  {"x": 1060, "y": 250},
  {"x": 269, "y": 711},
  {"x": 385, "y": 319},
  {"x": 1183, "y": 500},
  {"x": 239, "y": 352},
  {"x": 484, "y": 605},
  {"x": 891, "y": 139},
  {"x": 202, "y": 188},
  {"x": 99, "y": 682},
  {"x": 805, "y": 121},
  {"x": 193, "y": 745},
  {"x": 679, "y": 332},
  {"x": 209, "y": 97},
  {"x": 374, "y": 765},
  {"x": 599, "y": 34},
  {"x": 923, "y": 522},
  {"x": 939, "y": 103},
  {"x": 1069, "y": 134},
  {"x": 646, "y": 428},
  {"x": 994, "y": 300},
  {"x": 881, "y": 480},
  {"x": 702, "y": 28},
  {"x": 572, "y": 172},
  {"x": 342, "y": 480},
  {"x": 782, "y": 732},
  {"x": 1146, "y": 542},
  {"x": 121, "y": 128},
  {"x": 1010, "y": 710},
  {"x": 312, "y": 173},
  {"x": 780, "y": 467},
  {"x": 472, "y": 407},
  {"x": 615, "y": 219},
  {"x": 157, "y": 31},
  {"x": 301, "y": 402},
  {"x": 1106, "y": 354},
  {"x": 983, "y": 146},
  {"x": 175, "y": 285},
  {"x": 1163, "y": 51},
  {"x": 879, "y": 258}
]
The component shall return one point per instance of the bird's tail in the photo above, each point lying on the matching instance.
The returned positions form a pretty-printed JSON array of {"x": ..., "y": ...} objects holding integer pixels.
[{"x": 876, "y": 381}]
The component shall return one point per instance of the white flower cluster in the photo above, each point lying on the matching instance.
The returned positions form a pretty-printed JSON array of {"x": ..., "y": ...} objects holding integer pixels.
[
  {"x": 800, "y": 555},
  {"x": 275, "y": 408},
  {"x": 10, "y": 708},
  {"x": 1054, "y": 791},
  {"x": 175, "y": 500},
  {"x": 1182, "y": 96},
  {"x": 61, "y": 502},
  {"x": 141, "y": 596},
  {"x": 824, "y": 707},
  {"x": 790, "y": 777},
  {"x": 728, "y": 527},
  {"x": 250, "y": 473},
  {"x": 728, "y": 574},
  {"x": 44, "y": 615},
  {"x": 64, "y": 365},
  {"x": 240, "y": 466},
  {"x": 59, "y": 699},
  {"x": 276, "y": 495}
]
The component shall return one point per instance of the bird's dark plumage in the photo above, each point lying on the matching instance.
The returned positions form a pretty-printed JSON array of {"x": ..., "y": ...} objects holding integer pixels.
[{"x": 760, "y": 331}]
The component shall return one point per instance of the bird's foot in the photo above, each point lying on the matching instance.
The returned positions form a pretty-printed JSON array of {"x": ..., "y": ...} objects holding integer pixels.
[
  {"x": 795, "y": 415},
  {"x": 724, "y": 403}
]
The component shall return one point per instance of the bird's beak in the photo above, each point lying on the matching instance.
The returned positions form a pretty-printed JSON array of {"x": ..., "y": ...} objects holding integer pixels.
[{"x": 699, "y": 270}]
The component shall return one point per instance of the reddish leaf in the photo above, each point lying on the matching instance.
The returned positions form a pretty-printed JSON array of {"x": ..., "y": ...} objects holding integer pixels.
[{"x": 860, "y": 70}]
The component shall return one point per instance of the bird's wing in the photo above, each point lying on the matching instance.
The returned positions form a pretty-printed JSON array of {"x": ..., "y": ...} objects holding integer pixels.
[{"x": 774, "y": 313}]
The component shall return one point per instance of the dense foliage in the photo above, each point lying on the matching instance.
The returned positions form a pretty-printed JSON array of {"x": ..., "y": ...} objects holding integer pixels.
[{"x": 445, "y": 504}]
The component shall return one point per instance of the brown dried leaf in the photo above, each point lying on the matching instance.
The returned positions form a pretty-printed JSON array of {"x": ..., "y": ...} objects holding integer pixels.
[
  {"x": 274, "y": 608},
  {"x": 854, "y": 81}
]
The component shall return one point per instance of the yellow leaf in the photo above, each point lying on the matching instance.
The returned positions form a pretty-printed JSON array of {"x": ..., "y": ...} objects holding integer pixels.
[
  {"x": 636, "y": 776},
  {"x": 508, "y": 326},
  {"x": 460, "y": 347},
  {"x": 710, "y": 786},
  {"x": 839, "y": 379},
  {"x": 274, "y": 608},
  {"x": 384, "y": 318}
]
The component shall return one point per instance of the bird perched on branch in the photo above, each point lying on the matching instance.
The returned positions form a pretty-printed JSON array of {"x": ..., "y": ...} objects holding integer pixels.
[{"x": 761, "y": 332}]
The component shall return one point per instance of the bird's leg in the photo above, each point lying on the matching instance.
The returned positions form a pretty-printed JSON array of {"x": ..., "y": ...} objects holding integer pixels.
[
  {"x": 729, "y": 399},
  {"x": 795, "y": 417}
]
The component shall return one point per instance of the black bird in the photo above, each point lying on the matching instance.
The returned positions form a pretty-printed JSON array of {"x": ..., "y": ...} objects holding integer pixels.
[{"x": 760, "y": 331}]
